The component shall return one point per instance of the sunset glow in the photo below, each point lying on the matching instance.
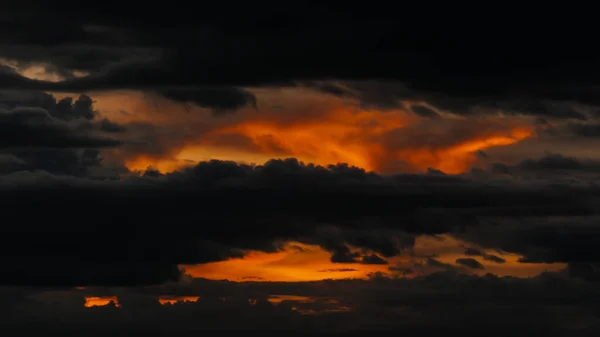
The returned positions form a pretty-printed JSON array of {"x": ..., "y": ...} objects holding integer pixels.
[
  {"x": 178, "y": 299},
  {"x": 292, "y": 264},
  {"x": 299, "y": 262},
  {"x": 381, "y": 141},
  {"x": 305, "y": 169},
  {"x": 95, "y": 301}
]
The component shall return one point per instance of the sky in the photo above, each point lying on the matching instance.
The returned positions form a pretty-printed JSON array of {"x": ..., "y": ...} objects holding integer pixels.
[{"x": 306, "y": 169}]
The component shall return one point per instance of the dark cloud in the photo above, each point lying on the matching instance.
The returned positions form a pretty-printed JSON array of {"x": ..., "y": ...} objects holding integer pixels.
[
  {"x": 288, "y": 201},
  {"x": 424, "y": 111},
  {"x": 470, "y": 262},
  {"x": 108, "y": 126},
  {"x": 584, "y": 271},
  {"x": 371, "y": 94},
  {"x": 36, "y": 128},
  {"x": 62, "y": 136},
  {"x": 402, "y": 270},
  {"x": 11, "y": 79},
  {"x": 222, "y": 100},
  {"x": 391, "y": 95},
  {"x": 590, "y": 130},
  {"x": 481, "y": 154},
  {"x": 436, "y": 264},
  {"x": 373, "y": 259},
  {"x": 444, "y": 301},
  {"x": 65, "y": 109},
  {"x": 252, "y": 278},
  {"x": 62, "y": 272},
  {"x": 65, "y": 60},
  {"x": 554, "y": 162},
  {"x": 341, "y": 270},
  {"x": 234, "y": 51},
  {"x": 560, "y": 168},
  {"x": 10, "y": 163},
  {"x": 488, "y": 257}
]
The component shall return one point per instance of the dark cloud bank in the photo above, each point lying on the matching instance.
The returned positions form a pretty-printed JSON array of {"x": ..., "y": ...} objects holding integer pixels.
[
  {"x": 435, "y": 304},
  {"x": 216, "y": 210},
  {"x": 208, "y": 62}
]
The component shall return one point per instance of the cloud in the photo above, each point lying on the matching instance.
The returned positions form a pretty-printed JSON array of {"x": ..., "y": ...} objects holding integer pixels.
[
  {"x": 488, "y": 257},
  {"x": 57, "y": 136},
  {"x": 67, "y": 60},
  {"x": 222, "y": 100},
  {"x": 36, "y": 128},
  {"x": 470, "y": 262},
  {"x": 306, "y": 198},
  {"x": 590, "y": 130},
  {"x": 552, "y": 166},
  {"x": 424, "y": 111},
  {"x": 357, "y": 216},
  {"x": 393, "y": 94},
  {"x": 311, "y": 127},
  {"x": 465, "y": 156},
  {"x": 439, "y": 301},
  {"x": 232, "y": 51},
  {"x": 373, "y": 259},
  {"x": 341, "y": 270},
  {"x": 10, "y": 163}
]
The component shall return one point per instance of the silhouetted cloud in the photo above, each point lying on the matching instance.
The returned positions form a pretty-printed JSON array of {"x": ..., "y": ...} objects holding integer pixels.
[
  {"x": 488, "y": 257},
  {"x": 410, "y": 204},
  {"x": 341, "y": 270},
  {"x": 470, "y": 262},
  {"x": 234, "y": 51},
  {"x": 222, "y": 100}
]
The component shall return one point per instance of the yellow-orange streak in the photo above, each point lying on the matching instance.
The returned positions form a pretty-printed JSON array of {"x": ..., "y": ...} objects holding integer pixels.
[
  {"x": 94, "y": 301},
  {"x": 313, "y": 264},
  {"x": 341, "y": 136},
  {"x": 277, "y": 299},
  {"x": 181, "y": 299},
  {"x": 357, "y": 139},
  {"x": 291, "y": 264},
  {"x": 459, "y": 158},
  {"x": 143, "y": 163}
]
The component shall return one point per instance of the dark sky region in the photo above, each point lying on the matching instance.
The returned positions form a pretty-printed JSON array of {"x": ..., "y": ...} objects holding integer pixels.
[{"x": 302, "y": 168}]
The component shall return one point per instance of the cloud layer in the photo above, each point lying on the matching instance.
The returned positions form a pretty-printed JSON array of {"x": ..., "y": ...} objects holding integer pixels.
[
  {"x": 418, "y": 180},
  {"x": 442, "y": 302}
]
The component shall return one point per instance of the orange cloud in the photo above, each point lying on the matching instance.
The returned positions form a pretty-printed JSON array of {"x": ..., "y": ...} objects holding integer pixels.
[
  {"x": 323, "y": 130},
  {"x": 94, "y": 301},
  {"x": 340, "y": 136},
  {"x": 460, "y": 156},
  {"x": 299, "y": 262},
  {"x": 176, "y": 299},
  {"x": 142, "y": 163},
  {"x": 278, "y": 299},
  {"x": 97, "y": 301}
]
